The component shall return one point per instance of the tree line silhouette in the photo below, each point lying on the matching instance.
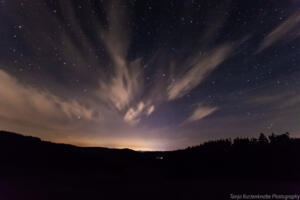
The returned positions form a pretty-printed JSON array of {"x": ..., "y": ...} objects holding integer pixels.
[
  {"x": 275, "y": 156},
  {"x": 273, "y": 139}
]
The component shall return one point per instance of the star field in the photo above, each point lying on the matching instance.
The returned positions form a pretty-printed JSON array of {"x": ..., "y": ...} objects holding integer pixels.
[{"x": 149, "y": 75}]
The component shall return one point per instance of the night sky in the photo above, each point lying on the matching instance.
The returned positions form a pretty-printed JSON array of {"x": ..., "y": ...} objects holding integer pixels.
[{"x": 149, "y": 75}]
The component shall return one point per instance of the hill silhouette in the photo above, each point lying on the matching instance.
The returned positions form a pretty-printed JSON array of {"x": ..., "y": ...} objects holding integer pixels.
[{"x": 35, "y": 169}]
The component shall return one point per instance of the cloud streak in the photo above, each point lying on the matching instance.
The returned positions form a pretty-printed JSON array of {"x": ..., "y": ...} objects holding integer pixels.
[
  {"x": 199, "y": 113},
  {"x": 199, "y": 67},
  {"x": 126, "y": 82},
  {"x": 27, "y": 105},
  {"x": 291, "y": 24},
  {"x": 282, "y": 100},
  {"x": 133, "y": 115}
]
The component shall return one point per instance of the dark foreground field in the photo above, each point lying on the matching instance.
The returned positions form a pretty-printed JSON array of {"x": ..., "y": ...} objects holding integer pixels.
[{"x": 34, "y": 169}]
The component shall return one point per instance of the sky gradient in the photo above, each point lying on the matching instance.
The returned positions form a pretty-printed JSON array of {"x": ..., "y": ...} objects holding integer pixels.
[{"x": 149, "y": 75}]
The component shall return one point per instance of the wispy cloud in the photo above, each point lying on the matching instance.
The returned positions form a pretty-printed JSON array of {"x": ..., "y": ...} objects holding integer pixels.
[
  {"x": 126, "y": 80},
  {"x": 281, "y": 100},
  {"x": 150, "y": 110},
  {"x": 291, "y": 24},
  {"x": 123, "y": 86},
  {"x": 133, "y": 115},
  {"x": 199, "y": 113},
  {"x": 291, "y": 102},
  {"x": 27, "y": 104},
  {"x": 276, "y": 98},
  {"x": 199, "y": 68}
]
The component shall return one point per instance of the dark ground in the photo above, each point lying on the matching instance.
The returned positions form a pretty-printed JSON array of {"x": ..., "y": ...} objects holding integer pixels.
[{"x": 34, "y": 169}]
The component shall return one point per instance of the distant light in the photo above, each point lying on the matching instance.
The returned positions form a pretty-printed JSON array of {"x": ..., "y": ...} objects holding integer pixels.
[{"x": 159, "y": 157}]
